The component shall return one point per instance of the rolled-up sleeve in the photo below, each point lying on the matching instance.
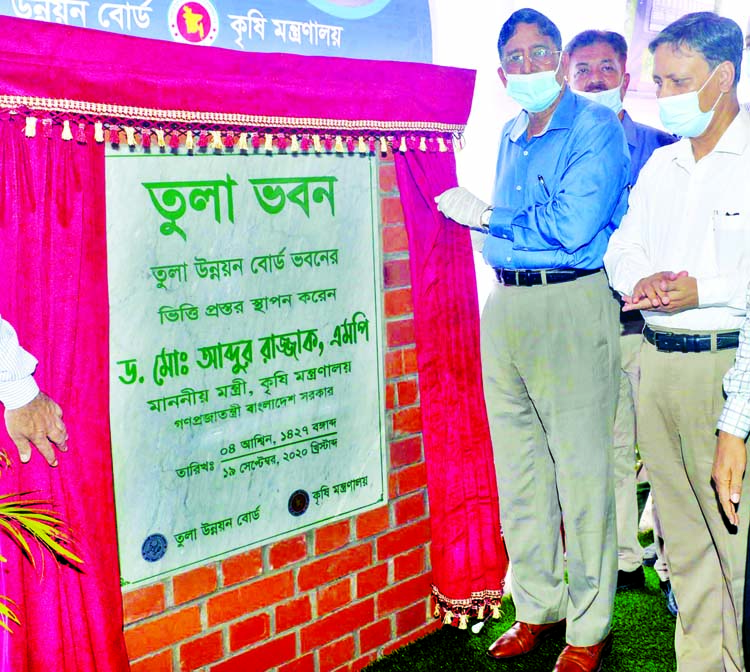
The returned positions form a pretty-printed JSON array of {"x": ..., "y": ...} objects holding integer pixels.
[{"x": 17, "y": 385}]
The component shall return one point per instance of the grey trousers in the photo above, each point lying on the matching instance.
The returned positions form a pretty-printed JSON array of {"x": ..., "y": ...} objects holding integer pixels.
[{"x": 550, "y": 362}]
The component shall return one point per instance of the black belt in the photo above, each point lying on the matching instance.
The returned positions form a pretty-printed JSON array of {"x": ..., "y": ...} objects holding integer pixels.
[
  {"x": 666, "y": 341},
  {"x": 528, "y": 278}
]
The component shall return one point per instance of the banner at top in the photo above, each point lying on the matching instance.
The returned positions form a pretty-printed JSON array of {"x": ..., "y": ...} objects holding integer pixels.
[{"x": 394, "y": 30}]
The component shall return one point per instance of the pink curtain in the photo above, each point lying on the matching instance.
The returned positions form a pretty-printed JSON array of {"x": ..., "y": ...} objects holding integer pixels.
[
  {"x": 468, "y": 555},
  {"x": 53, "y": 252}
]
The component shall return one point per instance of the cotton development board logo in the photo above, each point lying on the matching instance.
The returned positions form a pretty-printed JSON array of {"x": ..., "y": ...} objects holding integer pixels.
[{"x": 193, "y": 22}]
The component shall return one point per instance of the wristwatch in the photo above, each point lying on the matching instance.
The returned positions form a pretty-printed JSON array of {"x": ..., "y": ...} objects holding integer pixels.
[{"x": 484, "y": 218}]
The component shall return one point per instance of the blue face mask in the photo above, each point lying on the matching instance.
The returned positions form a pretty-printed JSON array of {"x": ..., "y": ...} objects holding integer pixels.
[
  {"x": 536, "y": 91},
  {"x": 682, "y": 115}
]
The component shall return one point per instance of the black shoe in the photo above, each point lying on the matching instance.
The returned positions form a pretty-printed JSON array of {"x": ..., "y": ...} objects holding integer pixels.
[
  {"x": 666, "y": 588},
  {"x": 630, "y": 580}
]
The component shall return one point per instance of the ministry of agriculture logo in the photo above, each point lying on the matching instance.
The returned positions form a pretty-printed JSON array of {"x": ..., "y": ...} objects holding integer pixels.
[{"x": 194, "y": 22}]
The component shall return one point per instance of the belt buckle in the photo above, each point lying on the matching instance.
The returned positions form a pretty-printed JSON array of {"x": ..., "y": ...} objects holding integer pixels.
[
  {"x": 523, "y": 278},
  {"x": 661, "y": 341}
]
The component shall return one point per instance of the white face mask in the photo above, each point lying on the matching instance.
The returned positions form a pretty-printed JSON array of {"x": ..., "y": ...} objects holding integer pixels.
[
  {"x": 682, "y": 114},
  {"x": 609, "y": 98}
]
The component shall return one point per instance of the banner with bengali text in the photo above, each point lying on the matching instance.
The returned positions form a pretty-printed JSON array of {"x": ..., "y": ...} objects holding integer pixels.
[
  {"x": 246, "y": 351},
  {"x": 394, "y": 30}
]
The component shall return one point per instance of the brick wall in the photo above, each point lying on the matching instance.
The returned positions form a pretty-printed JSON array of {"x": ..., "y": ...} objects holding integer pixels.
[{"x": 331, "y": 599}]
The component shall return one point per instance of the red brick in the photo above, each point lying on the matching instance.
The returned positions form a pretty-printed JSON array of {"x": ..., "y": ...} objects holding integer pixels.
[
  {"x": 403, "y": 539},
  {"x": 293, "y": 613},
  {"x": 335, "y": 654},
  {"x": 144, "y": 602},
  {"x": 334, "y": 596},
  {"x": 306, "y": 664},
  {"x": 400, "y": 332},
  {"x": 412, "y": 618},
  {"x": 390, "y": 396},
  {"x": 162, "y": 662},
  {"x": 403, "y": 594},
  {"x": 373, "y": 522},
  {"x": 200, "y": 652},
  {"x": 162, "y": 632},
  {"x": 394, "y": 364},
  {"x": 398, "y": 302},
  {"x": 409, "y": 508},
  {"x": 249, "y": 631},
  {"x": 372, "y": 580},
  {"x": 388, "y": 180},
  {"x": 288, "y": 552},
  {"x": 391, "y": 211},
  {"x": 277, "y": 651},
  {"x": 334, "y": 567},
  {"x": 407, "y": 421},
  {"x": 408, "y": 392},
  {"x": 412, "y": 478},
  {"x": 392, "y": 486},
  {"x": 410, "y": 361},
  {"x": 416, "y": 634},
  {"x": 344, "y": 621},
  {"x": 396, "y": 273},
  {"x": 250, "y": 597},
  {"x": 409, "y": 564},
  {"x": 406, "y": 451},
  {"x": 242, "y": 567},
  {"x": 375, "y": 635},
  {"x": 362, "y": 662},
  {"x": 395, "y": 239},
  {"x": 331, "y": 537},
  {"x": 195, "y": 583}
]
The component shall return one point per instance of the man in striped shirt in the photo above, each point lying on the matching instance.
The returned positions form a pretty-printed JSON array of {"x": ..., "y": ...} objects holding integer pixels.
[{"x": 31, "y": 417}]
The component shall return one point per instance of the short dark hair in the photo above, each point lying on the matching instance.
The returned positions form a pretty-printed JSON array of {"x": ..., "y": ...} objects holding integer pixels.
[
  {"x": 589, "y": 37},
  {"x": 527, "y": 15},
  {"x": 715, "y": 37}
]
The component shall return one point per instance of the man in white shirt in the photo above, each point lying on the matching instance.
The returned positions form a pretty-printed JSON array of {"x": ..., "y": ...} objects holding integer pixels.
[
  {"x": 682, "y": 256},
  {"x": 31, "y": 417}
]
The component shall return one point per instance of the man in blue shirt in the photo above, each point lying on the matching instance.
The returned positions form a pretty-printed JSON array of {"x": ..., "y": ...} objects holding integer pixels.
[
  {"x": 550, "y": 352},
  {"x": 597, "y": 62}
]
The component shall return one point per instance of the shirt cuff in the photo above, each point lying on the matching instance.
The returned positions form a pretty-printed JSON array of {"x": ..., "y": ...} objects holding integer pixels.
[
  {"x": 501, "y": 222},
  {"x": 18, "y": 393},
  {"x": 735, "y": 417}
]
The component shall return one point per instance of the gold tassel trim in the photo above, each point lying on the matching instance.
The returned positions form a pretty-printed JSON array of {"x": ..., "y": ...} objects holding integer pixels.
[
  {"x": 67, "y": 134},
  {"x": 30, "y": 129}
]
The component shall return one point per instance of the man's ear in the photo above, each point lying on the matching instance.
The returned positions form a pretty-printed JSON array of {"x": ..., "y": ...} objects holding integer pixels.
[
  {"x": 725, "y": 73},
  {"x": 625, "y": 85},
  {"x": 503, "y": 78}
]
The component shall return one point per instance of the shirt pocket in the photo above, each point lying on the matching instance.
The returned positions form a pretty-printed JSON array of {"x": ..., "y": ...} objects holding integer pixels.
[{"x": 732, "y": 239}]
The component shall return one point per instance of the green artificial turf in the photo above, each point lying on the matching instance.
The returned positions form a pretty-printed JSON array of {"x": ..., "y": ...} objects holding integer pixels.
[{"x": 642, "y": 627}]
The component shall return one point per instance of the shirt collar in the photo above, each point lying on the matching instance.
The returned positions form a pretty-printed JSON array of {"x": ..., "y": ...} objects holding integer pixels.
[
  {"x": 735, "y": 140},
  {"x": 562, "y": 117}
]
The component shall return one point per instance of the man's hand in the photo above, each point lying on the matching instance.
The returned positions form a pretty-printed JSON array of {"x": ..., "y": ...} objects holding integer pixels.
[
  {"x": 461, "y": 206},
  {"x": 665, "y": 292},
  {"x": 727, "y": 473},
  {"x": 38, "y": 422}
]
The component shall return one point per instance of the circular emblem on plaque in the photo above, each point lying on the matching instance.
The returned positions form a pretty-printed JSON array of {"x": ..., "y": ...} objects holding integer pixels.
[
  {"x": 154, "y": 547},
  {"x": 299, "y": 500},
  {"x": 350, "y": 9},
  {"x": 194, "y": 22}
]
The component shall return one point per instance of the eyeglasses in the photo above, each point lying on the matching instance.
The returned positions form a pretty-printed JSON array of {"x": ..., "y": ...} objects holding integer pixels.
[{"x": 542, "y": 57}]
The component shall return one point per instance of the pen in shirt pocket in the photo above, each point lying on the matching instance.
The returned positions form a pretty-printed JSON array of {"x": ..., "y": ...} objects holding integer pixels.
[{"x": 543, "y": 185}]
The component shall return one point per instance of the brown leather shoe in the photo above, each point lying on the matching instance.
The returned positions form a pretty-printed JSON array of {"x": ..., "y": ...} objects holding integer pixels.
[
  {"x": 584, "y": 658},
  {"x": 522, "y": 638}
]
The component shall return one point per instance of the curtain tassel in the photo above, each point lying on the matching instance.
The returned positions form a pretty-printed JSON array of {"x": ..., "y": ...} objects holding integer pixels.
[
  {"x": 422, "y": 144},
  {"x": 480, "y": 613},
  {"x": 114, "y": 135},
  {"x": 98, "y": 132},
  {"x": 81, "y": 134},
  {"x": 328, "y": 143},
  {"x": 441, "y": 144},
  {"x": 305, "y": 143},
  {"x": 145, "y": 138},
  {"x": 203, "y": 139},
  {"x": 255, "y": 140},
  {"x": 448, "y": 618},
  {"x": 361, "y": 145},
  {"x": 383, "y": 145},
  {"x": 371, "y": 143},
  {"x": 339, "y": 145},
  {"x": 189, "y": 141},
  {"x": 174, "y": 140},
  {"x": 495, "y": 610},
  {"x": 160, "y": 137},
  {"x": 67, "y": 134},
  {"x": 294, "y": 145},
  {"x": 402, "y": 145},
  {"x": 242, "y": 144},
  {"x": 130, "y": 136},
  {"x": 436, "y": 611},
  {"x": 216, "y": 143},
  {"x": 229, "y": 140},
  {"x": 30, "y": 129},
  {"x": 316, "y": 144},
  {"x": 282, "y": 142},
  {"x": 463, "y": 622},
  {"x": 268, "y": 144}
]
